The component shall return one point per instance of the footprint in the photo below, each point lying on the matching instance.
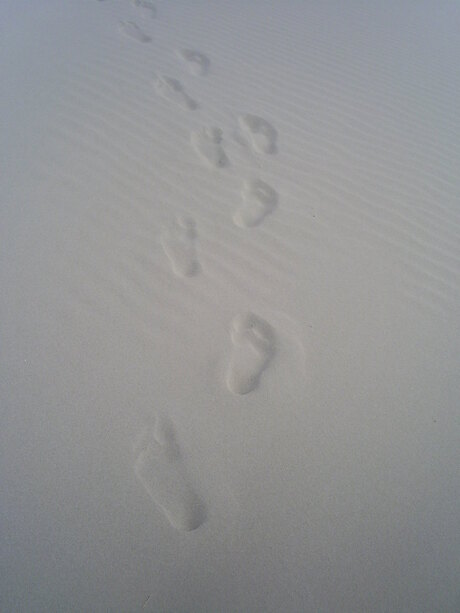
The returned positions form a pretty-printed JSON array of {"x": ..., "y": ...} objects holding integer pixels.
[
  {"x": 133, "y": 31},
  {"x": 173, "y": 91},
  {"x": 254, "y": 345},
  {"x": 207, "y": 142},
  {"x": 147, "y": 6},
  {"x": 259, "y": 200},
  {"x": 260, "y": 135},
  {"x": 161, "y": 471},
  {"x": 178, "y": 243},
  {"x": 197, "y": 62}
]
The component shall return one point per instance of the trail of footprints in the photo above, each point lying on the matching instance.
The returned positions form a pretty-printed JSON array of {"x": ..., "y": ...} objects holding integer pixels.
[{"x": 159, "y": 466}]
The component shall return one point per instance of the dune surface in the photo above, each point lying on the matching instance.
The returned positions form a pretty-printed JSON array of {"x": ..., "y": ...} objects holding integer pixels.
[{"x": 230, "y": 306}]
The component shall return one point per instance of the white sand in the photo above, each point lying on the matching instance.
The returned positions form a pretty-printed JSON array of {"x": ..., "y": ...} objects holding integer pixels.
[{"x": 230, "y": 306}]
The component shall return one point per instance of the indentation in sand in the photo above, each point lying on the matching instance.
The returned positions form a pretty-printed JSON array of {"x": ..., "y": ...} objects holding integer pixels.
[
  {"x": 147, "y": 6},
  {"x": 160, "y": 469},
  {"x": 178, "y": 242},
  {"x": 197, "y": 63},
  {"x": 259, "y": 199},
  {"x": 260, "y": 135},
  {"x": 172, "y": 90},
  {"x": 207, "y": 143},
  {"x": 132, "y": 30},
  {"x": 253, "y": 347}
]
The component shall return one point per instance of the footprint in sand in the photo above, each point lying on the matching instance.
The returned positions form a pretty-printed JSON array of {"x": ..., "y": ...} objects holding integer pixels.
[
  {"x": 259, "y": 199},
  {"x": 207, "y": 143},
  {"x": 178, "y": 243},
  {"x": 161, "y": 471},
  {"x": 197, "y": 63},
  {"x": 132, "y": 30},
  {"x": 258, "y": 133},
  {"x": 146, "y": 6},
  {"x": 253, "y": 347},
  {"x": 173, "y": 91}
]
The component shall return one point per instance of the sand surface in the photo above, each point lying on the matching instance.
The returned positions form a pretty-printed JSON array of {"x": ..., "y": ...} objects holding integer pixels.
[{"x": 230, "y": 306}]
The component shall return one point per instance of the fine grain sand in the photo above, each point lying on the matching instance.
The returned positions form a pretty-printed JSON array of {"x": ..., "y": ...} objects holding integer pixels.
[{"x": 230, "y": 306}]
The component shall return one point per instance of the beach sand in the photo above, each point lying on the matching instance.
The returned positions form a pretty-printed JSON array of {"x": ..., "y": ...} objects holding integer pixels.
[{"x": 230, "y": 306}]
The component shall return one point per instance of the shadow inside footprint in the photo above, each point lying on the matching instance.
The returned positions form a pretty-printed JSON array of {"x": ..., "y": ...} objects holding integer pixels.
[
  {"x": 253, "y": 347},
  {"x": 160, "y": 469}
]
